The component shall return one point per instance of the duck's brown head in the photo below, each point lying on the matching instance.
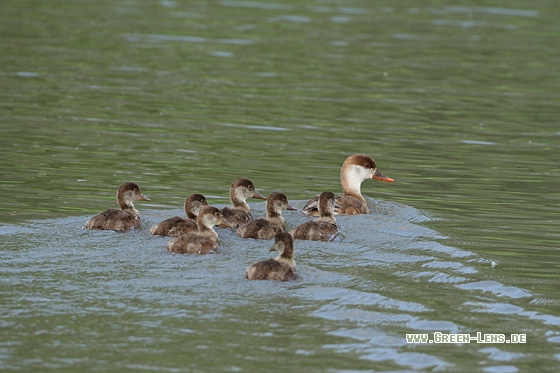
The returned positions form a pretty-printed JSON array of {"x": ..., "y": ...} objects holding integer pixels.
[
  {"x": 277, "y": 202},
  {"x": 243, "y": 188},
  {"x": 327, "y": 204},
  {"x": 359, "y": 167},
  {"x": 128, "y": 193},
  {"x": 284, "y": 244},
  {"x": 193, "y": 204},
  {"x": 210, "y": 216}
]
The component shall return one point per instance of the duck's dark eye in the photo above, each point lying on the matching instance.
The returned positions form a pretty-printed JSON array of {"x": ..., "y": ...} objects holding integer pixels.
[{"x": 367, "y": 165}]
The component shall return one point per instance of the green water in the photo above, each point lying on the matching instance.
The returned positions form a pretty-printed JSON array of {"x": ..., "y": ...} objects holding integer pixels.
[{"x": 459, "y": 104}]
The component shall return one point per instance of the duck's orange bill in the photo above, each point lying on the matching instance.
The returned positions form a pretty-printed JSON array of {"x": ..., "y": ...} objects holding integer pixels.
[
  {"x": 379, "y": 176},
  {"x": 143, "y": 198}
]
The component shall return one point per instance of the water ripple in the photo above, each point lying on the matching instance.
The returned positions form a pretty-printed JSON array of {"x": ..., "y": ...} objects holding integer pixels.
[
  {"x": 256, "y": 4},
  {"x": 496, "y": 288},
  {"x": 352, "y": 297},
  {"x": 157, "y": 38}
]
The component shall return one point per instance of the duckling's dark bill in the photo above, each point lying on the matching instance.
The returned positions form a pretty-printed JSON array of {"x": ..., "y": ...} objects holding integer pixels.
[{"x": 225, "y": 223}]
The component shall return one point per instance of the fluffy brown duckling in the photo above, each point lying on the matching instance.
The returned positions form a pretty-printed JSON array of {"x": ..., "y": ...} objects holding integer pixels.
[
  {"x": 355, "y": 169},
  {"x": 267, "y": 228},
  {"x": 282, "y": 268},
  {"x": 177, "y": 225},
  {"x": 322, "y": 229},
  {"x": 205, "y": 240},
  {"x": 240, "y": 212},
  {"x": 124, "y": 219}
]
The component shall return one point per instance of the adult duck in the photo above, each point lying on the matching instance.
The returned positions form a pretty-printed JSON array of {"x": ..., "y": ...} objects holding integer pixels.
[{"x": 355, "y": 169}]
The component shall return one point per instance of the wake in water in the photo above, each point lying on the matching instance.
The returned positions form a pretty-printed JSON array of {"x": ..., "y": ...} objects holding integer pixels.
[{"x": 385, "y": 275}]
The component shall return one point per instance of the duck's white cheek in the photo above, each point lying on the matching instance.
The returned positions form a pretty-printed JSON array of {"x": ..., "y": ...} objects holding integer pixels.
[
  {"x": 357, "y": 175},
  {"x": 367, "y": 173},
  {"x": 239, "y": 194}
]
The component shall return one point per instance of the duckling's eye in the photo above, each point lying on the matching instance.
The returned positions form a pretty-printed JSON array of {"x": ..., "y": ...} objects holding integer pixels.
[{"x": 367, "y": 165}]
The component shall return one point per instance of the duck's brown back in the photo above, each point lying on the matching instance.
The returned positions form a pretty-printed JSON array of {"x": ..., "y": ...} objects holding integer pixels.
[
  {"x": 315, "y": 231},
  {"x": 191, "y": 243},
  {"x": 260, "y": 228},
  {"x": 174, "y": 227},
  {"x": 113, "y": 219},
  {"x": 237, "y": 217},
  {"x": 349, "y": 205},
  {"x": 311, "y": 208},
  {"x": 270, "y": 269}
]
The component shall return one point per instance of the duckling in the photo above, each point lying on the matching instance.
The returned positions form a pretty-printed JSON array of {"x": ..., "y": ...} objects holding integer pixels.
[
  {"x": 120, "y": 220},
  {"x": 205, "y": 240},
  {"x": 322, "y": 229},
  {"x": 282, "y": 268},
  {"x": 177, "y": 225},
  {"x": 267, "y": 228},
  {"x": 355, "y": 169},
  {"x": 240, "y": 190}
]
